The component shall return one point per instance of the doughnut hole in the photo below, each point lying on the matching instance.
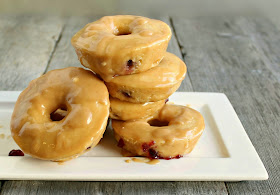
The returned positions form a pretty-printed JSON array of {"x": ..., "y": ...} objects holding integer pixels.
[
  {"x": 121, "y": 31},
  {"x": 59, "y": 114},
  {"x": 158, "y": 123}
]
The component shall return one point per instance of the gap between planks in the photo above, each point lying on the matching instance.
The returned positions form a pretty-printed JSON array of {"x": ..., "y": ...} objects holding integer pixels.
[
  {"x": 183, "y": 53},
  {"x": 54, "y": 48}
]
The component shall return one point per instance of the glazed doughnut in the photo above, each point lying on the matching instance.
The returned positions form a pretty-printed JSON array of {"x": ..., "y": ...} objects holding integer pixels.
[
  {"x": 173, "y": 133},
  {"x": 39, "y": 124},
  {"x": 153, "y": 85},
  {"x": 123, "y": 110},
  {"x": 121, "y": 45}
]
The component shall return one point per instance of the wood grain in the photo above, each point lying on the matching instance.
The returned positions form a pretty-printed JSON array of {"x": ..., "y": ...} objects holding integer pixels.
[
  {"x": 223, "y": 57},
  {"x": 174, "y": 48},
  {"x": 25, "y": 47},
  {"x": 64, "y": 54},
  {"x": 276, "y": 21},
  {"x": 266, "y": 39},
  {"x": 161, "y": 188}
]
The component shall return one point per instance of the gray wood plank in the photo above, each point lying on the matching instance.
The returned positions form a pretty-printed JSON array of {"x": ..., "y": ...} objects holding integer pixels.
[
  {"x": 266, "y": 39},
  {"x": 25, "y": 47},
  {"x": 174, "y": 48},
  {"x": 48, "y": 187},
  {"x": 222, "y": 57},
  {"x": 64, "y": 54},
  {"x": 275, "y": 20}
]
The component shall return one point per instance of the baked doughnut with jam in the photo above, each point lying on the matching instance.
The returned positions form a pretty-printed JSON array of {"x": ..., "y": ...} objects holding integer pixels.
[
  {"x": 61, "y": 114},
  {"x": 173, "y": 133},
  {"x": 121, "y": 45}
]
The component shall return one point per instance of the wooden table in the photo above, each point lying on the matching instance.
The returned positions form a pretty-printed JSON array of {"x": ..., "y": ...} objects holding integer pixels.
[{"x": 237, "y": 56}]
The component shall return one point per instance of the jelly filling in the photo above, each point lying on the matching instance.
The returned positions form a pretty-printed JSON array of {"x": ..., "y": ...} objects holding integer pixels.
[
  {"x": 146, "y": 146},
  {"x": 130, "y": 65},
  {"x": 153, "y": 154},
  {"x": 16, "y": 153},
  {"x": 121, "y": 143}
]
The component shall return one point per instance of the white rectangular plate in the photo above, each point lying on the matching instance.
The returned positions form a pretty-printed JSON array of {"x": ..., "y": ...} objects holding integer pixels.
[{"x": 223, "y": 153}]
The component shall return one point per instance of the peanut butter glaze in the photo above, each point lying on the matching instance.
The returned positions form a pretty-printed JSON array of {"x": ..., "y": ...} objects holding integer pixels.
[
  {"x": 123, "y": 110},
  {"x": 179, "y": 137},
  {"x": 155, "y": 84},
  {"x": 2, "y": 135},
  {"x": 143, "y": 160},
  {"x": 121, "y": 45},
  {"x": 76, "y": 90}
]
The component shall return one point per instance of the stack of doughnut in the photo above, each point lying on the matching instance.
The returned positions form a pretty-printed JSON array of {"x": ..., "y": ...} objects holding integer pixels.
[
  {"x": 129, "y": 54},
  {"x": 64, "y": 113}
]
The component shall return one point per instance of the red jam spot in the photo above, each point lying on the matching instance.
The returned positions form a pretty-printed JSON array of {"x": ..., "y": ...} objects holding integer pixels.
[
  {"x": 178, "y": 156},
  {"x": 129, "y": 64},
  {"x": 153, "y": 154},
  {"x": 16, "y": 153},
  {"x": 121, "y": 143},
  {"x": 129, "y": 67},
  {"x": 166, "y": 100},
  {"x": 146, "y": 146},
  {"x": 88, "y": 147}
]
